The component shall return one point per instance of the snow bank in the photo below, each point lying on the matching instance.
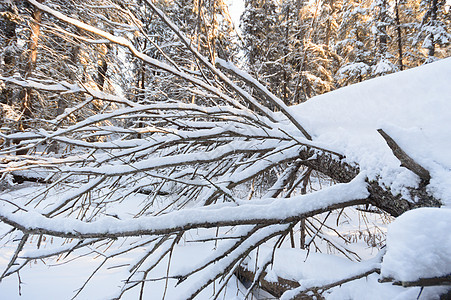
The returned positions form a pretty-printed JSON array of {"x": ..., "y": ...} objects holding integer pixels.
[
  {"x": 413, "y": 106},
  {"x": 419, "y": 245}
]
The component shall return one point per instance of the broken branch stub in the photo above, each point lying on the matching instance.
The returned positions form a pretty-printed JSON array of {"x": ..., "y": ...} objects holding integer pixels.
[{"x": 406, "y": 160}]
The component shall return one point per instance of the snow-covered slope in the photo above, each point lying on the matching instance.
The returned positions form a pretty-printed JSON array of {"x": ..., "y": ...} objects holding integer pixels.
[{"x": 413, "y": 107}]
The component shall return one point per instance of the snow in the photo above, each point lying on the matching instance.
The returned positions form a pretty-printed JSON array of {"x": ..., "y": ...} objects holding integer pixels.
[
  {"x": 413, "y": 107},
  {"x": 315, "y": 269},
  {"x": 61, "y": 281},
  {"x": 34, "y": 83},
  {"x": 419, "y": 245},
  {"x": 354, "y": 69},
  {"x": 369, "y": 288}
]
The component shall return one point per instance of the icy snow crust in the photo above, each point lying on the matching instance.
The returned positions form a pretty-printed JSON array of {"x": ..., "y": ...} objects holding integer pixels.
[{"x": 413, "y": 107}]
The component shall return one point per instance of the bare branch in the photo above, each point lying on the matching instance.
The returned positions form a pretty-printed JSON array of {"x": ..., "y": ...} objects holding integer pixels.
[{"x": 406, "y": 160}]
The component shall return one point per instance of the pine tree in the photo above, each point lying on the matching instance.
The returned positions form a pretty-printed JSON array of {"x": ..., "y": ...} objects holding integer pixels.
[
  {"x": 433, "y": 29},
  {"x": 286, "y": 47}
]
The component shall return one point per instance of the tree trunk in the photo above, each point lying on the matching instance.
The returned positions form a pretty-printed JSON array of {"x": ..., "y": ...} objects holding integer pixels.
[
  {"x": 285, "y": 73},
  {"x": 399, "y": 35},
  {"x": 101, "y": 73},
  {"x": 382, "y": 28},
  {"x": 35, "y": 27},
  {"x": 302, "y": 223},
  {"x": 431, "y": 44}
]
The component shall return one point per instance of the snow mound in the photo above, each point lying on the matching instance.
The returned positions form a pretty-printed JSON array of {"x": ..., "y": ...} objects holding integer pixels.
[
  {"x": 418, "y": 245},
  {"x": 413, "y": 107}
]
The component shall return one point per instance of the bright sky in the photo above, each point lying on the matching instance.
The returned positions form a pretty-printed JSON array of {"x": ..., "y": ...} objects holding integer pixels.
[{"x": 236, "y": 8}]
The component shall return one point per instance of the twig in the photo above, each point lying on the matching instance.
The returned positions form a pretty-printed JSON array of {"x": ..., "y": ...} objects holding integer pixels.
[{"x": 302, "y": 291}]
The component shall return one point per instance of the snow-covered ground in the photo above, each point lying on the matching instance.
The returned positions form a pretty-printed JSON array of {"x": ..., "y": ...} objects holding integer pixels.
[
  {"x": 414, "y": 107},
  {"x": 419, "y": 245}
]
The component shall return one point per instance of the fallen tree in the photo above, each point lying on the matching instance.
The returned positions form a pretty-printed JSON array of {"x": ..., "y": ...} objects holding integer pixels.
[{"x": 193, "y": 160}]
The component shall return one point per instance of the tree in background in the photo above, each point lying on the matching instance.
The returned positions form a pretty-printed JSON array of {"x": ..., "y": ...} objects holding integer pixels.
[
  {"x": 432, "y": 31},
  {"x": 354, "y": 44},
  {"x": 12, "y": 59},
  {"x": 382, "y": 37},
  {"x": 301, "y": 49},
  {"x": 287, "y": 45}
]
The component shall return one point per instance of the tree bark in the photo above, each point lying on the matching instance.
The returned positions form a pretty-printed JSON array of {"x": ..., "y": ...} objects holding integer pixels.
[{"x": 434, "y": 281}]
